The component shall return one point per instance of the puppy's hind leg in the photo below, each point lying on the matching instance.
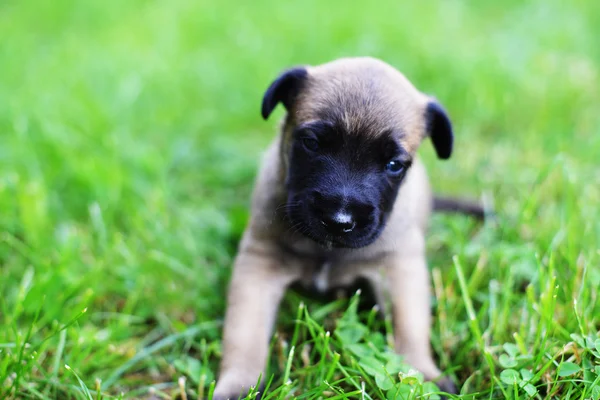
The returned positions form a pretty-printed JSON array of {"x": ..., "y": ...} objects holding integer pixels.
[
  {"x": 255, "y": 291},
  {"x": 410, "y": 294}
]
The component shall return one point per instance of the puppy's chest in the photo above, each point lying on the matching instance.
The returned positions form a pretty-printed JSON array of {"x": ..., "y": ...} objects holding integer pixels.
[
  {"x": 327, "y": 271},
  {"x": 328, "y": 281},
  {"x": 320, "y": 278},
  {"x": 329, "y": 276}
]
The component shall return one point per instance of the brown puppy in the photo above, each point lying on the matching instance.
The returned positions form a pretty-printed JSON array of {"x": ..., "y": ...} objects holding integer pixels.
[{"x": 341, "y": 195}]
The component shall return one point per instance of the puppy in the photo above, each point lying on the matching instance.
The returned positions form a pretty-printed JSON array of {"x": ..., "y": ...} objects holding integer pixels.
[{"x": 341, "y": 196}]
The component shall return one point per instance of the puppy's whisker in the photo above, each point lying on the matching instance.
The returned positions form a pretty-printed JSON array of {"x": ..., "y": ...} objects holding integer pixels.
[
  {"x": 287, "y": 208},
  {"x": 282, "y": 206},
  {"x": 294, "y": 228}
]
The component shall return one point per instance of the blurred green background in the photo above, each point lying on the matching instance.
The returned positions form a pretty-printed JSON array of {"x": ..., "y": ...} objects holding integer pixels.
[{"x": 130, "y": 136}]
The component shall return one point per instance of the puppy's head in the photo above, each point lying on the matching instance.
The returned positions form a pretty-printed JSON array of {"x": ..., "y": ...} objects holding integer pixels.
[{"x": 352, "y": 129}]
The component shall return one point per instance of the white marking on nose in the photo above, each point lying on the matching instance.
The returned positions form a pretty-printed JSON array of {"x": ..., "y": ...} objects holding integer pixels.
[{"x": 342, "y": 218}]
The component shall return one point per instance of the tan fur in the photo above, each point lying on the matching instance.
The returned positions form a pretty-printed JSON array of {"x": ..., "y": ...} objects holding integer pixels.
[{"x": 272, "y": 256}]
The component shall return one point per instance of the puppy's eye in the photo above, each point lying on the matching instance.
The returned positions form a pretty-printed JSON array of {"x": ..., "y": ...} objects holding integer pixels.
[
  {"x": 311, "y": 144},
  {"x": 395, "y": 167}
]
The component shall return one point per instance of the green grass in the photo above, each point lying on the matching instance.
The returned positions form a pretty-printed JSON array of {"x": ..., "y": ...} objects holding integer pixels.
[{"x": 130, "y": 136}]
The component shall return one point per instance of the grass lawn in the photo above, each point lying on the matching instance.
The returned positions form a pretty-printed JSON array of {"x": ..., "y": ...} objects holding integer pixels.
[{"x": 130, "y": 136}]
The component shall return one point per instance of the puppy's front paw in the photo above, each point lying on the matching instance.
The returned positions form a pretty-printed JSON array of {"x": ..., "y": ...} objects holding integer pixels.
[
  {"x": 256, "y": 396},
  {"x": 446, "y": 385},
  {"x": 235, "y": 394}
]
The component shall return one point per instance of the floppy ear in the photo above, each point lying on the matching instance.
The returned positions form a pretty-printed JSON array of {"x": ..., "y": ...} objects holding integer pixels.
[
  {"x": 439, "y": 129},
  {"x": 284, "y": 89}
]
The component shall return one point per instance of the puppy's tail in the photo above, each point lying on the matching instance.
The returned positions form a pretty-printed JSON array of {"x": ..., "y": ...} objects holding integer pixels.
[{"x": 454, "y": 205}]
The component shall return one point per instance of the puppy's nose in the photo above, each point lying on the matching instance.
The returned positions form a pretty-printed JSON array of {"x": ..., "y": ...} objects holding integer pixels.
[{"x": 338, "y": 223}]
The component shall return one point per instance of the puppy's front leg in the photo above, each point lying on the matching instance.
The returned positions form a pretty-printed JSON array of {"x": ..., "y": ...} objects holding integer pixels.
[
  {"x": 409, "y": 288},
  {"x": 256, "y": 288}
]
